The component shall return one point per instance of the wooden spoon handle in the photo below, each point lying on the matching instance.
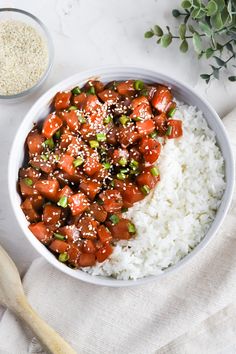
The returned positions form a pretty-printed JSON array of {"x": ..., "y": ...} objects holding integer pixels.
[{"x": 50, "y": 340}]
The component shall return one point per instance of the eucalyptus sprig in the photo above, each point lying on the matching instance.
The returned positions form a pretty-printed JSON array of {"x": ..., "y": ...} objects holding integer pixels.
[{"x": 210, "y": 26}]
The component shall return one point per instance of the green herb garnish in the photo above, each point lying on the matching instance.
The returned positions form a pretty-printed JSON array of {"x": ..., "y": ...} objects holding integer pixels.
[
  {"x": 59, "y": 236},
  {"x": 78, "y": 162},
  {"x": 114, "y": 219},
  {"x": 28, "y": 181},
  {"x": 63, "y": 202},
  {"x": 63, "y": 257},
  {"x": 154, "y": 171},
  {"x": 145, "y": 189},
  {"x": 76, "y": 90},
  {"x": 138, "y": 85},
  {"x": 101, "y": 137},
  {"x": 94, "y": 144}
]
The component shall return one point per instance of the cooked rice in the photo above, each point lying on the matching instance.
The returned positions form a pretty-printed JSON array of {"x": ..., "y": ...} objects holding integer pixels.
[{"x": 174, "y": 218}]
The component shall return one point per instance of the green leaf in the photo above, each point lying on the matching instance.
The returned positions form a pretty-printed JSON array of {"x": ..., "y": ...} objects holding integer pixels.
[
  {"x": 196, "y": 3},
  {"x": 166, "y": 39},
  {"x": 184, "y": 46},
  {"x": 158, "y": 31},
  {"x": 219, "y": 61},
  {"x": 182, "y": 31},
  {"x": 191, "y": 29},
  {"x": 232, "y": 78},
  {"x": 196, "y": 12},
  {"x": 175, "y": 13},
  {"x": 215, "y": 71},
  {"x": 205, "y": 28},
  {"x": 205, "y": 76},
  {"x": 220, "y": 4},
  {"x": 211, "y": 8},
  {"x": 197, "y": 43},
  {"x": 149, "y": 34},
  {"x": 209, "y": 52},
  {"x": 216, "y": 21},
  {"x": 186, "y": 4},
  {"x": 159, "y": 41}
]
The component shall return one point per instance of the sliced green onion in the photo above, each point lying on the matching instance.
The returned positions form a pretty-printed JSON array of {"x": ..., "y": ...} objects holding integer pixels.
[
  {"x": 28, "y": 181},
  {"x": 49, "y": 143},
  {"x": 172, "y": 111},
  {"x": 100, "y": 201},
  {"x": 138, "y": 85},
  {"x": 76, "y": 90},
  {"x": 114, "y": 219},
  {"x": 137, "y": 119},
  {"x": 57, "y": 134},
  {"x": 123, "y": 161},
  {"x": 107, "y": 120},
  {"x": 131, "y": 228},
  {"x": 123, "y": 210},
  {"x": 124, "y": 119},
  {"x": 81, "y": 119},
  {"x": 155, "y": 171},
  {"x": 144, "y": 92},
  {"x": 56, "y": 157},
  {"x": 112, "y": 183},
  {"x": 59, "y": 236},
  {"x": 78, "y": 162},
  {"x": 63, "y": 202},
  {"x": 134, "y": 164},
  {"x": 44, "y": 157},
  {"x": 124, "y": 170},
  {"x": 91, "y": 91},
  {"x": 145, "y": 189},
  {"x": 101, "y": 137},
  {"x": 153, "y": 135},
  {"x": 121, "y": 176},
  {"x": 169, "y": 130},
  {"x": 63, "y": 257},
  {"x": 94, "y": 144},
  {"x": 72, "y": 108},
  {"x": 106, "y": 165}
]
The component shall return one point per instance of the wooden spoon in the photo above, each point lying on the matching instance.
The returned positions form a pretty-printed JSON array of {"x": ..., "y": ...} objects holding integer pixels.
[{"x": 12, "y": 296}]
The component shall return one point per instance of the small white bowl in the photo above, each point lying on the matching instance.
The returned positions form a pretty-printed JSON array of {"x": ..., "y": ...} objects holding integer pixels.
[{"x": 42, "y": 107}]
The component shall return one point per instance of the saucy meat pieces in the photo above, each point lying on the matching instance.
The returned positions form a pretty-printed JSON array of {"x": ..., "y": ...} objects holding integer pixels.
[{"x": 94, "y": 156}]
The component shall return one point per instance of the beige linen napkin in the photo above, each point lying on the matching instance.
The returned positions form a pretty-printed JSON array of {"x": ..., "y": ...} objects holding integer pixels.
[{"x": 186, "y": 312}]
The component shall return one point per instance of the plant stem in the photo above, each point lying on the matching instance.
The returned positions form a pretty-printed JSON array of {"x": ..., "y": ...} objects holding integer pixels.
[{"x": 232, "y": 56}]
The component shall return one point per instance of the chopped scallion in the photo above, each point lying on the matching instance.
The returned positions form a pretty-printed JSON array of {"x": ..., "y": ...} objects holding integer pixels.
[
  {"x": 123, "y": 161},
  {"x": 107, "y": 120},
  {"x": 131, "y": 228},
  {"x": 63, "y": 257},
  {"x": 81, "y": 119},
  {"x": 63, "y": 202},
  {"x": 76, "y": 90},
  {"x": 101, "y": 137},
  {"x": 58, "y": 134},
  {"x": 124, "y": 119},
  {"x": 124, "y": 210},
  {"x": 169, "y": 130},
  {"x": 153, "y": 135},
  {"x": 138, "y": 85},
  {"x": 59, "y": 236},
  {"x": 91, "y": 91},
  {"x": 114, "y": 219},
  {"x": 44, "y": 157},
  {"x": 78, "y": 162},
  {"x": 134, "y": 164},
  {"x": 154, "y": 171},
  {"x": 28, "y": 181},
  {"x": 145, "y": 189},
  {"x": 72, "y": 108},
  {"x": 172, "y": 112},
  {"x": 121, "y": 176},
  {"x": 137, "y": 119},
  {"x": 106, "y": 165},
  {"x": 49, "y": 143},
  {"x": 94, "y": 144}
]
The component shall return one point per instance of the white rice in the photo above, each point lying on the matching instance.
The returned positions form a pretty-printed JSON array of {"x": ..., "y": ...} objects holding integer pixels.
[{"x": 174, "y": 218}]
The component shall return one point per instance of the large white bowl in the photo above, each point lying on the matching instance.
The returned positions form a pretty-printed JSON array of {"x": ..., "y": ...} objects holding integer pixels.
[{"x": 42, "y": 107}]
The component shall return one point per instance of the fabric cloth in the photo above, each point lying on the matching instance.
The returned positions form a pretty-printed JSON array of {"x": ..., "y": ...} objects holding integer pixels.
[{"x": 190, "y": 311}]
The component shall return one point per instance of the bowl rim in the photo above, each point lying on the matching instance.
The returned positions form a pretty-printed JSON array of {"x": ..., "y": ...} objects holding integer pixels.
[
  {"x": 83, "y": 76},
  {"x": 51, "y": 54}
]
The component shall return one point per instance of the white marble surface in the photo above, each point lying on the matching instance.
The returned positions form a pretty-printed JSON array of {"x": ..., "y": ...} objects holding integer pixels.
[{"x": 88, "y": 33}]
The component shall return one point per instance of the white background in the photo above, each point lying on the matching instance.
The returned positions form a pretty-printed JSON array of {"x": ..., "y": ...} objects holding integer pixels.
[{"x": 89, "y": 33}]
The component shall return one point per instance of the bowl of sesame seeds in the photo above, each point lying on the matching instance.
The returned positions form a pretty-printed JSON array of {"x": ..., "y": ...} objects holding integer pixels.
[{"x": 26, "y": 54}]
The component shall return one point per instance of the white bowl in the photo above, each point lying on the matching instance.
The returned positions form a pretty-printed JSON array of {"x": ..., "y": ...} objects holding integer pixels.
[{"x": 42, "y": 107}]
